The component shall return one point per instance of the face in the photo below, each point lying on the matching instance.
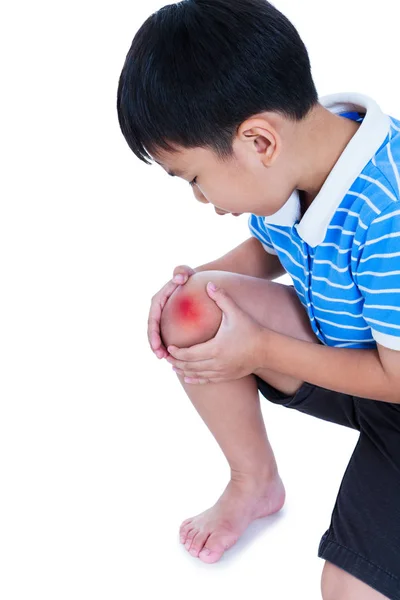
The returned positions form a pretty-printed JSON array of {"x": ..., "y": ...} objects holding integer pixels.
[{"x": 260, "y": 177}]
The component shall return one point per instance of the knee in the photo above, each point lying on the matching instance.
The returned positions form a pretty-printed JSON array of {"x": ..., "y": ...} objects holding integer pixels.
[{"x": 190, "y": 317}]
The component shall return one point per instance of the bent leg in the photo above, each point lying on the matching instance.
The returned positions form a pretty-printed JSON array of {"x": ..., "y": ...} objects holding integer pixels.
[
  {"x": 364, "y": 530},
  {"x": 231, "y": 410},
  {"x": 191, "y": 317}
]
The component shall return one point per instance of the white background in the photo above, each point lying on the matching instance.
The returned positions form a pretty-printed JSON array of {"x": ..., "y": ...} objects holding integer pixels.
[{"x": 102, "y": 454}]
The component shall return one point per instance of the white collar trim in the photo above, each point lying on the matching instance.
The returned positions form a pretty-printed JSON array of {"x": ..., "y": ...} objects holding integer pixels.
[{"x": 359, "y": 151}]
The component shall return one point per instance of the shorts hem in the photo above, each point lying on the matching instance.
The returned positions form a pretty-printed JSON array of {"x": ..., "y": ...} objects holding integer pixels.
[
  {"x": 350, "y": 561},
  {"x": 277, "y": 397}
]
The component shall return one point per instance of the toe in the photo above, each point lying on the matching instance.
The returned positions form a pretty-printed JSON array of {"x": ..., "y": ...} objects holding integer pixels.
[
  {"x": 184, "y": 529},
  {"x": 198, "y": 543},
  {"x": 183, "y": 525},
  {"x": 189, "y": 538},
  {"x": 210, "y": 556},
  {"x": 215, "y": 546}
]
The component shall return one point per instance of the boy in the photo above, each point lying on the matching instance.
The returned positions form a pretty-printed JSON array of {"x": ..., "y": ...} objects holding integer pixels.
[{"x": 220, "y": 93}]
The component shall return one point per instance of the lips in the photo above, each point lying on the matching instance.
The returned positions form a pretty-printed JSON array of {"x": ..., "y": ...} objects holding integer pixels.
[{"x": 227, "y": 212}]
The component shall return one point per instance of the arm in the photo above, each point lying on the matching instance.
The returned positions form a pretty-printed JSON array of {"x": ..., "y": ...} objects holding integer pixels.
[
  {"x": 357, "y": 372},
  {"x": 249, "y": 258}
]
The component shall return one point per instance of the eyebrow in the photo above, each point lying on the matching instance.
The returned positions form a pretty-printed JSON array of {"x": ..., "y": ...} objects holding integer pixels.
[{"x": 177, "y": 173}]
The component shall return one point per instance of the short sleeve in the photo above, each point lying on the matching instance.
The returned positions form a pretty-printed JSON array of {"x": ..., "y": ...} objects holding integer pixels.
[
  {"x": 377, "y": 276},
  {"x": 259, "y": 230}
]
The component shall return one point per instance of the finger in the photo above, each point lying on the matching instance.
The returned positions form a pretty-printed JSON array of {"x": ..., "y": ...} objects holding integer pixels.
[
  {"x": 153, "y": 324},
  {"x": 180, "y": 278},
  {"x": 184, "y": 270},
  {"x": 194, "y": 381},
  {"x": 166, "y": 292},
  {"x": 194, "y": 367},
  {"x": 200, "y": 352},
  {"x": 221, "y": 298},
  {"x": 197, "y": 381},
  {"x": 197, "y": 375},
  {"x": 153, "y": 332},
  {"x": 155, "y": 339},
  {"x": 207, "y": 366},
  {"x": 178, "y": 371},
  {"x": 205, "y": 375}
]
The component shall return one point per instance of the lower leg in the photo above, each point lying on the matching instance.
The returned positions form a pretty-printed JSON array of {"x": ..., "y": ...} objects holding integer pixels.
[{"x": 232, "y": 412}]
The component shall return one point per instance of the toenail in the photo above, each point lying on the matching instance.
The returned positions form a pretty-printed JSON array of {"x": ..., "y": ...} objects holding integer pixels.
[
  {"x": 193, "y": 551},
  {"x": 188, "y": 544},
  {"x": 205, "y": 552}
]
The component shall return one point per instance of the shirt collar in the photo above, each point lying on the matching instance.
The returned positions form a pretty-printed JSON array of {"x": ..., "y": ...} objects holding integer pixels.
[{"x": 357, "y": 154}]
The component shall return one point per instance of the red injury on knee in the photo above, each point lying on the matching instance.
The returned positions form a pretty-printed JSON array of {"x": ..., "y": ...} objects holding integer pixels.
[
  {"x": 188, "y": 309},
  {"x": 190, "y": 316}
]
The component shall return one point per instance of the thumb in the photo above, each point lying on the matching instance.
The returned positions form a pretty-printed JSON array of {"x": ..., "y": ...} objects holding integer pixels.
[{"x": 221, "y": 298}]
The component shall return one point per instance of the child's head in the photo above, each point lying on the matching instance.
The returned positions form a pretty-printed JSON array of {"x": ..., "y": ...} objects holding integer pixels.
[{"x": 218, "y": 90}]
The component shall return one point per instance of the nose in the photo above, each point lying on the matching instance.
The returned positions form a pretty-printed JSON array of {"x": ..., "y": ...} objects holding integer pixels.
[{"x": 199, "y": 196}]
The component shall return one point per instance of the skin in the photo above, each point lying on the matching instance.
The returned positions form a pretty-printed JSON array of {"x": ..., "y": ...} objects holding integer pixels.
[
  {"x": 189, "y": 314},
  {"x": 273, "y": 156}
]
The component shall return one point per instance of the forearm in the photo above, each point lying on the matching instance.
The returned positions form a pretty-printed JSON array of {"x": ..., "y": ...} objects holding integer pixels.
[
  {"x": 249, "y": 258},
  {"x": 356, "y": 372}
]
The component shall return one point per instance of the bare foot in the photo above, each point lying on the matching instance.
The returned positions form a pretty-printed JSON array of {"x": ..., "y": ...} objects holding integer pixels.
[{"x": 209, "y": 534}]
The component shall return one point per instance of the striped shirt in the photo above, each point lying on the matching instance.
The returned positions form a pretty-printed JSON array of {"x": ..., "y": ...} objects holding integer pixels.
[{"x": 343, "y": 255}]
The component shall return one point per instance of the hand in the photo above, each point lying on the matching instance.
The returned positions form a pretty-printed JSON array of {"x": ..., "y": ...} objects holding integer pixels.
[
  {"x": 231, "y": 354},
  {"x": 180, "y": 277}
]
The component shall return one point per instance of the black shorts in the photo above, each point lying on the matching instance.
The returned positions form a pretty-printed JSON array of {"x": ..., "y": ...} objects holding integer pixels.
[{"x": 364, "y": 534}]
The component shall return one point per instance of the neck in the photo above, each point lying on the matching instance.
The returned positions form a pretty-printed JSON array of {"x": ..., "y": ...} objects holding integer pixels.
[{"x": 320, "y": 141}]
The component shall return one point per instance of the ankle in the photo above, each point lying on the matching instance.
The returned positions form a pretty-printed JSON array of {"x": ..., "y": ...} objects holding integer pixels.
[{"x": 255, "y": 478}]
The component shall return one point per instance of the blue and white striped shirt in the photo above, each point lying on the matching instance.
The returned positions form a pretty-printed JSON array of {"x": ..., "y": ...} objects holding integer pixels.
[{"x": 344, "y": 254}]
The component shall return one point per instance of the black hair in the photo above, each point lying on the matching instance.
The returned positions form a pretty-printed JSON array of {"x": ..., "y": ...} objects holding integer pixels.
[{"x": 197, "y": 69}]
